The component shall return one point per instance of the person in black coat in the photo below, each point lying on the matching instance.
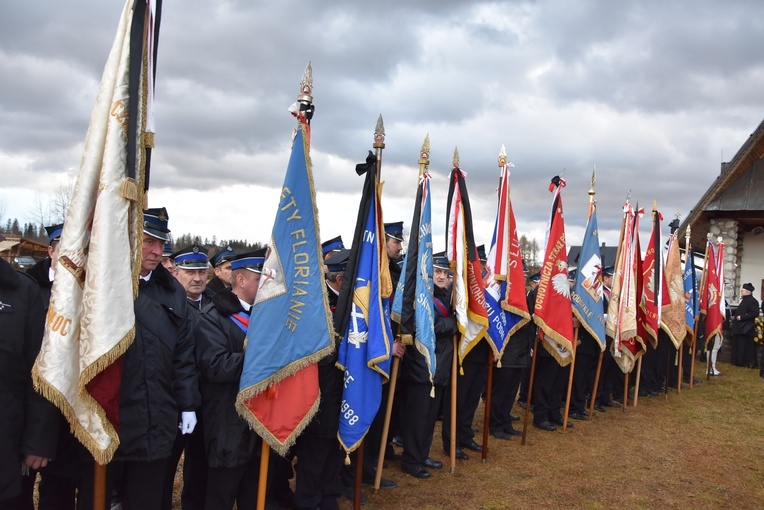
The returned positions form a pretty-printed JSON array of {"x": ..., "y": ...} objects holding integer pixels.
[
  {"x": 743, "y": 328},
  {"x": 423, "y": 396},
  {"x": 319, "y": 456},
  {"x": 233, "y": 449},
  {"x": 159, "y": 378},
  {"x": 28, "y": 422},
  {"x": 221, "y": 265}
]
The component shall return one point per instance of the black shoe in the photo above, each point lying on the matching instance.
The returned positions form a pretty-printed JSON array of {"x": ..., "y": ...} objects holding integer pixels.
[
  {"x": 613, "y": 403},
  {"x": 417, "y": 471},
  {"x": 472, "y": 445},
  {"x": 397, "y": 441},
  {"x": 500, "y": 434},
  {"x": 514, "y": 417},
  {"x": 384, "y": 483},
  {"x": 577, "y": 416},
  {"x": 599, "y": 407},
  {"x": 545, "y": 425},
  {"x": 512, "y": 432},
  {"x": 433, "y": 464},
  {"x": 349, "y": 493},
  {"x": 559, "y": 422},
  {"x": 521, "y": 403},
  {"x": 460, "y": 455}
]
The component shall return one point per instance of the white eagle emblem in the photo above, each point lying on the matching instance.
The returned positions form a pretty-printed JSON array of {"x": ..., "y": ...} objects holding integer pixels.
[{"x": 560, "y": 280}]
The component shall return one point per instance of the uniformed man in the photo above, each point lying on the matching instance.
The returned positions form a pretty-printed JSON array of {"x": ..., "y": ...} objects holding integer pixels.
[
  {"x": 221, "y": 265},
  {"x": 191, "y": 265},
  {"x": 27, "y": 422},
  {"x": 159, "y": 376},
  {"x": 319, "y": 457},
  {"x": 167, "y": 260},
  {"x": 611, "y": 377},
  {"x": 423, "y": 397},
  {"x": 530, "y": 330},
  {"x": 233, "y": 449},
  {"x": 332, "y": 247}
]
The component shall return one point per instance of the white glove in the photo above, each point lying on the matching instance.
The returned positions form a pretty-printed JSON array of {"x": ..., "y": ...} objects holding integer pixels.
[{"x": 187, "y": 422}]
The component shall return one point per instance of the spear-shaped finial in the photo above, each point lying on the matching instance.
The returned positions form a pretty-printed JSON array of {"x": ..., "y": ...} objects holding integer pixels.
[
  {"x": 594, "y": 180},
  {"x": 424, "y": 155},
  {"x": 456, "y": 157},
  {"x": 628, "y": 196},
  {"x": 379, "y": 134},
  {"x": 306, "y": 85},
  {"x": 655, "y": 205},
  {"x": 502, "y": 157}
]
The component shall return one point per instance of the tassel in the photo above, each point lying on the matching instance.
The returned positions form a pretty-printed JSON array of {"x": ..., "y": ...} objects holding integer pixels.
[
  {"x": 432, "y": 392},
  {"x": 461, "y": 370},
  {"x": 347, "y": 459},
  {"x": 128, "y": 190},
  {"x": 498, "y": 364}
]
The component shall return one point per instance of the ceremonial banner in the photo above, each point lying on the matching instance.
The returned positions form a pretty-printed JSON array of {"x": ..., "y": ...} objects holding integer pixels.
[
  {"x": 652, "y": 274},
  {"x": 290, "y": 321},
  {"x": 413, "y": 305},
  {"x": 586, "y": 294},
  {"x": 553, "y": 312},
  {"x": 469, "y": 303},
  {"x": 690, "y": 293},
  {"x": 714, "y": 292},
  {"x": 363, "y": 319},
  {"x": 673, "y": 314},
  {"x": 90, "y": 322},
  {"x": 621, "y": 323},
  {"x": 504, "y": 279}
]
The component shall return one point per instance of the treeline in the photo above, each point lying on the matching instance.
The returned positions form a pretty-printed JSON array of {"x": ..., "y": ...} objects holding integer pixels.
[
  {"x": 213, "y": 245},
  {"x": 13, "y": 227}
]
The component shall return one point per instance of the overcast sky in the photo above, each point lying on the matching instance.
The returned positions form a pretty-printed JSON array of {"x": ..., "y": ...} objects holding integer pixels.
[{"x": 656, "y": 94}]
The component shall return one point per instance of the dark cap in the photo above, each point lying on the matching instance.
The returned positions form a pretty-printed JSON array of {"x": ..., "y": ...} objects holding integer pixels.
[
  {"x": 749, "y": 287},
  {"x": 252, "y": 261},
  {"x": 608, "y": 271},
  {"x": 155, "y": 223},
  {"x": 440, "y": 261},
  {"x": 535, "y": 277},
  {"x": 481, "y": 253},
  {"x": 167, "y": 251},
  {"x": 338, "y": 261},
  {"x": 331, "y": 245},
  {"x": 223, "y": 256},
  {"x": 191, "y": 257},
  {"x": 54, "y": 232},
  {"x": 394, "y": 230}
]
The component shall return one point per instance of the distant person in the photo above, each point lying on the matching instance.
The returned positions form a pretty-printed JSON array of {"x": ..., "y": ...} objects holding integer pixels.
[{"x": 743, "y": 329}]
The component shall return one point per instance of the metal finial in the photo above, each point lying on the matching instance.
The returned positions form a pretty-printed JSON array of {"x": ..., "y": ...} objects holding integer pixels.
[
  {"x": 379, "y": 134},
  {"x": 456, "y": 157},
  {"x": 502, "y": 157},
  {"x": 424, "y": 154},
  {"x": 306, "y": 85},
  {"x": 655, "y": 205},
  {"x": 594, "y": 180}
]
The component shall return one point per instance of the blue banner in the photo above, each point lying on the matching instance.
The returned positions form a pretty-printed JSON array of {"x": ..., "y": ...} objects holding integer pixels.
[
  {"x": 586, "y": 294},
  {"x": 690, "y": 291}
]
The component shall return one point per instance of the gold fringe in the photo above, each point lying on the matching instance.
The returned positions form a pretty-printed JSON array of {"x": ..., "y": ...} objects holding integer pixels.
[
  {"x": 347, "y": 459},
  {"x": 128, "y": 190},
  {"x": 148, "y": 139},
  {"x": 407, "y": 339}
]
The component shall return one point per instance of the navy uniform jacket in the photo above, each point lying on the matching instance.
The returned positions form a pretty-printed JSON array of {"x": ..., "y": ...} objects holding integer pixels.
[
  {"x": 228, "y": 440},
  {"x": 159, "y": 376},
  {"x": 28, "y": 422}
]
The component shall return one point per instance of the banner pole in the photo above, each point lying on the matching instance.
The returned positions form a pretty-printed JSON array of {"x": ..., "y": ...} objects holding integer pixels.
[
  {"x": 570, "y": 382},
  {"x": 386, "y": 426},
  {"x": 99, "y": 486},
  {"x": 452, "y": 424},
  {"x": 487, "y": 414},
  {"x": 636, "y": 384},
  {"x": 593, "y": 397},
  {"x": 529, "y": 398},
  {"x": 262, "y": 483}
]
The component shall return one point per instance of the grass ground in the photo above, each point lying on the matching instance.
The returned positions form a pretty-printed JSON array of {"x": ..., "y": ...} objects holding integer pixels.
[{"x": 703, "y": 448}]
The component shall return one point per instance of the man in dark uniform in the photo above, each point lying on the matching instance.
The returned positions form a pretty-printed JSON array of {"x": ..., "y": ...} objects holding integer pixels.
[
  {"x": 743, "y": 329},
  {"x": 422, "y": 397},
  {"x": 159, "y": 377},
  {"x": 319, "y": 457},
  {"x": 233, "y": 449},
  {"x": 610, "y": 381},
  {"x": 530, "y": 330},
  {"x": 28, "y": 421},
  {"x": 167, "y": 260},
  {"x": 190, "y": 268},
  {"x": 221, "y": 265},
  {"x": 332, "y": 247}
]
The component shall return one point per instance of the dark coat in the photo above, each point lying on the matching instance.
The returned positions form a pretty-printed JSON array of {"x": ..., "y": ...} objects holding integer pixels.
[
  {"x": 326, "y": 421},
  {"x": 228, "y": 440},
  {"x": 748, "y": 310},
  {"x": 41, "y": 273},
  {"x": 27, "y": 422},
  {"x": 413, "y": 365},
  {"x": 215, "y": 285},
  {"x": 159, "y": 376}
]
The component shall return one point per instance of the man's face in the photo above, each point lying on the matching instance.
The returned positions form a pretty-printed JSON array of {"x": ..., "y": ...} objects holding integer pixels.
[
  {"x": 440, "y": 277},
  {"x": 193, "y": 280},
  {"x": 251, "y": 281},
  {"x": 394, "y": 247},
  {"x": 607, "y": 280},
  {"x": 53, "y": 254},
  {"x": 169, "y": 264},
  {"x": 152, "y": 254},
  {"x": 223, "y": 271}
]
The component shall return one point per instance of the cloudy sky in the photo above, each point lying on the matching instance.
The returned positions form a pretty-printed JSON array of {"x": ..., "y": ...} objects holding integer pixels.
[{"x": 656, "y": 94}]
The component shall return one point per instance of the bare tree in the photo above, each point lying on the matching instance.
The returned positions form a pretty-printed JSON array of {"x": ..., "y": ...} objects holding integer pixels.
[
  {"x": 62, "y": 197},
  {"x": 39, "y": 211}
]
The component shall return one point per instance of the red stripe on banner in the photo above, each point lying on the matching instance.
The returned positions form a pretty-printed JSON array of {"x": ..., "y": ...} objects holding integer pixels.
[
  {"x": 104, "y": 388},
  {"x": 283, "y": 406}
]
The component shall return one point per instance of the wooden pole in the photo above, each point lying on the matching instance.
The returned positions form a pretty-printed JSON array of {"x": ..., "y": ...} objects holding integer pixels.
[
  {"x": 99, "y": 486},
  {"x": 668, "y": 371},
  {"x": 529, "y": 399},
  {"x": 693, "y": 350},
  {"x": 570, "y": 382},
  {"x": 262, "y": 483},
  {"x": 636, "y": 384},
  {"x": 593, "y": 397},
  {"x": 386, "y": 426},
  {"x": 452, "y": 424},
  {"x": 679, "y": 372},
  {"x": 487, "y": 414},
  {"x": 626, "y": 388}
]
